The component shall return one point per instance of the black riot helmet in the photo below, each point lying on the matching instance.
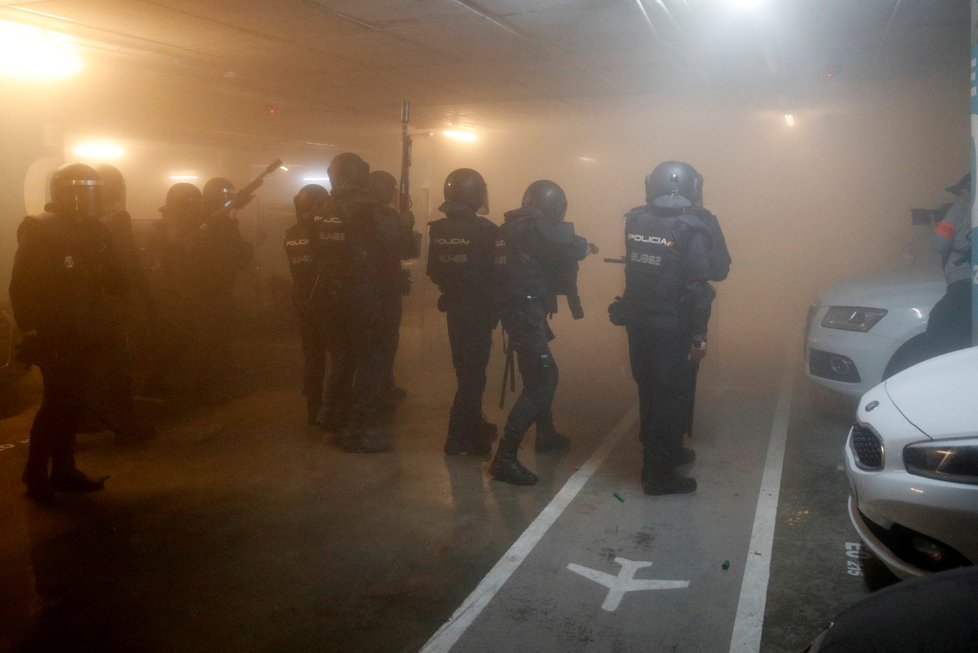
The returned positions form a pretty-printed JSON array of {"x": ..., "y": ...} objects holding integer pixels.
[
  {"x": 184, "y": 204},
  {"x": 673, "y": 185},
  {"x": 382, "y": 187},
  {"x": 218, "y": 194},
  {"x": 467, "y": 187},
  {"x": 113, "y": 195},
  {"x": 75, "y": 191},
  {"x": 309, "y": 202},
  {"x": 348, "y": 171},
  {"x": 548, "y": 197}
]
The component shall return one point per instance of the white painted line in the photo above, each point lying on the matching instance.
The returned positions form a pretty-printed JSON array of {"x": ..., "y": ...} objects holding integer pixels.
[
  {"x": 450, "y": 632},
  {"x": 749, "y": 624}
]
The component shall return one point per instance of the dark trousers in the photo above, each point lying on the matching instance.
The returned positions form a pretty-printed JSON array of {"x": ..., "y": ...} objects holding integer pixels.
[
  {"x": 391, "y": 310},
  {"x": 659, "y": 356},
  {"x": 353, "y": 339},
  {"x": 949, "y": 324},
  {"x": 312, "y": 333},
  {"x": 529, "y": 335},
  {"x": 470, "y": 325},
  {"x": 66, "y": 375}
]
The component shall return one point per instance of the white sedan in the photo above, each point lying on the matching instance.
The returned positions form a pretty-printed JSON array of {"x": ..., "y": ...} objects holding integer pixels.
[
  {"x": 912, "y": 462},
  {"x": 864, "y": 330}
]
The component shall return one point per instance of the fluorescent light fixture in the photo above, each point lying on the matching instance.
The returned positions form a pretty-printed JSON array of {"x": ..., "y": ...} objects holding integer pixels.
[
  {"x": 461, "y": 135},
  {"x": 283, "y": 168},
  {"x": 99, "y": 151},
  {"x": 323, "y": 178},
  {"x": 36, "y": 55},
  {"x": 586, "y": 158},
  {"x": 184, "y": 177},
  {"x": 789, "y": 119}
]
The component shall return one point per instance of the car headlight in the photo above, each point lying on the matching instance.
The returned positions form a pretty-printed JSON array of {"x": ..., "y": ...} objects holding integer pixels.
[
  {"x": 852, "y": 318},
  {"x": 954, "y": 461}
]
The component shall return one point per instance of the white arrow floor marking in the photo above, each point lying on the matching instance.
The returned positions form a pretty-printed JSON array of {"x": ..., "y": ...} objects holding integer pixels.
[{"x": 625, "y": 581}]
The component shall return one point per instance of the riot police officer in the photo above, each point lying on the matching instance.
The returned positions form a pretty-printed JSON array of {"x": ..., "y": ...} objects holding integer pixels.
[
  {"x": 665, "y": 309},
  {"x": 356, "y": 275},
  {"x": 221, "y": 254},
  {"x": 303, "y": 248},
  {"x": 63, "y": 272},
  {"x": 132, "y": 309},
  {"x": 396, "y": 282},
  {"x": 460, "y": 262},
  {"x": 536, "y": 249}
]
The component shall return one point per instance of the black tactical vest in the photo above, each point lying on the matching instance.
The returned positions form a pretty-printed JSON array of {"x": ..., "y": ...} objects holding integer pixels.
[
  {"x": 460, "y": 255},
  {"x": 654, "y": 247}
]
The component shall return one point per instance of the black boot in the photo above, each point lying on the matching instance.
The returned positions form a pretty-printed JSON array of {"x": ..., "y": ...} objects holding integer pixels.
[
  {"x": 548, "y": 439},
  {"x": 685, "y": 456},
  {"x": 65, "y": 475},
  {"x": 364, "y": 439},
  {"x": 38, "y": 484},
  {"x": 668, "y": 483},
  {"x": 74, "y": 480},
  {"x": 487, "y": 430},
  {"x": 506, "y": 468},
  {"x": 467, "y": 444}
]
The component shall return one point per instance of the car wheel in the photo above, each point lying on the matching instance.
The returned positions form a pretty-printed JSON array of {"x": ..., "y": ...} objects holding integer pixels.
[{"x": 909, "y": 354}]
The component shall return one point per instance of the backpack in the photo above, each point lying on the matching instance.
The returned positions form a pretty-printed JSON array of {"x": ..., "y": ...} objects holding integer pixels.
[{"x": 719, "y": 254}]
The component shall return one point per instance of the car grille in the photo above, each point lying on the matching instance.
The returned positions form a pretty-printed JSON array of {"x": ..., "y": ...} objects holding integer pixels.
[{"x": 866, "y": 447}]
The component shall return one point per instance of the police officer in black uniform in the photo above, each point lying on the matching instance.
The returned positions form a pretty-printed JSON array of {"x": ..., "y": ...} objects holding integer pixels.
[
  {"x": 63, "y": 272},
  {"x": 460, "y": 261},
  {"x": 665, "y": 308},
  {"x": 357, "y": 276},
  {"x": 398, "y": 228},
  {"x": 221, "y": 254},
  {"x": 115, "y": 389},
  {"x": 539, "y": 247},
  {"x": 303, "y": 245}
]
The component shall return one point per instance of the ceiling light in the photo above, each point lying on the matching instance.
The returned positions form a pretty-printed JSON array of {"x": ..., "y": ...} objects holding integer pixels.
[
  {"x": 789, "y": 119},
  {"x": 460, "y": 135},
  {"x": 586, "y": 158},
  {"x": 323, "y": 178},
  {"x": 36, "y": 55},
  {"x": 184, "y": 177},
  {"x": 99, "y": 151},
  {"x": 283, "y": 168}
]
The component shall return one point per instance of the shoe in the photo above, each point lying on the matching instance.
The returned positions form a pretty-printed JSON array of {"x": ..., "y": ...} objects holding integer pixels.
[
  {"x": 393, "y": 393},
  {"x": 670, "y": 484},
  {"x": 487, "y": 429},
  {"x": 330, "y": 421},
  {"x": 364, "y": 440},
  {"x": 74, "y": 480},
  {"x": 467, "y": 446},
  {"x": 686, "y": 456},
  {"x": 506, "y": 468},
  {"x": 39, "y": 487},
  {"x": 551, "y": 442}
]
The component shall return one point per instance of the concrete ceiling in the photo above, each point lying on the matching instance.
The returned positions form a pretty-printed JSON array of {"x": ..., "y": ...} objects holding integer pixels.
[{"x": 482, "y": 62}]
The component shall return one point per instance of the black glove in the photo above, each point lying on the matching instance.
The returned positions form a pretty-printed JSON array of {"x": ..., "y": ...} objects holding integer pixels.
[
  {"x": 618, "y": 312},
  {"x": 28, "y": 350}
]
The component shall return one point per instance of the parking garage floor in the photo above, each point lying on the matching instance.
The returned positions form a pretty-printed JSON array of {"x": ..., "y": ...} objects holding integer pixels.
[{"x": 240, "y": 528}]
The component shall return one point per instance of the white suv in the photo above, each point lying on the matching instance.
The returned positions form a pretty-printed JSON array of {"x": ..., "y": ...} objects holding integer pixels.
[{"x": 865, "y": 330}]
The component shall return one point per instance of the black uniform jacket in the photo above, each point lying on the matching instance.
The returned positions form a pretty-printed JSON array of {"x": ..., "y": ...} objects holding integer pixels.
[{"x": 63, "y": 276}]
